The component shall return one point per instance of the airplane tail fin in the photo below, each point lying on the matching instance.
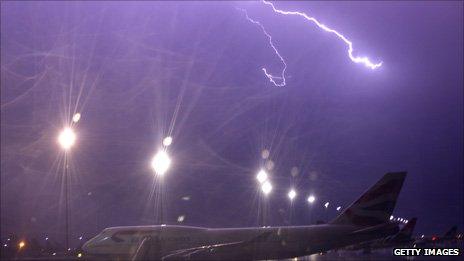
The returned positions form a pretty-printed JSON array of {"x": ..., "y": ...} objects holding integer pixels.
[
  {"x": 376, "y": 205},
  {"x": 451, "y": 233}
]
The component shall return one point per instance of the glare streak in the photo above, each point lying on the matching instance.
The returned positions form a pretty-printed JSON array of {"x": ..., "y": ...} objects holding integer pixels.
[{"x": 356, "y": 59}]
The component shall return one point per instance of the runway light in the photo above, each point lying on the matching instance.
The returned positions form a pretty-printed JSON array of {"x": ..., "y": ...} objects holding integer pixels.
[
  {"x": 167, "y": 141},
  {"x": 292, "y": 194},
  {"x": 262, "y": 176},
  {"x": 21, "y": 245},
  {"x": 266, "y": 187},
  {"x": 67, "y": 138},
  {"x": 46, "y": 238},
  {"x": 392, "y": 217},
  {"x": 161, "y": 162},
  {"x": 5, "y": 245},
  {"x": 79, "y": 255},
  {"x": 80, "y": 238},
  {"x": 54, "y": 254},
  {"x": 76, "y": 117},
  {"x": 180, "y": 219},
  {"x": 326, "y": 205},
  {"x": 338, "y": 208},
  {"x": 311, "y": 199}
]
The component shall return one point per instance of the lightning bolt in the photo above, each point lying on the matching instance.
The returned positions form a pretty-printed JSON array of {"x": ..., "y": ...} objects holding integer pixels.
[
  {"x": 276, "y": 80},
  {"x": 356, "y": 59}
]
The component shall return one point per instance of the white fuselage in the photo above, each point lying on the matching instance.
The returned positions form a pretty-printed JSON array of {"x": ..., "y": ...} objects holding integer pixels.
[{"x": 246, "y": 243}]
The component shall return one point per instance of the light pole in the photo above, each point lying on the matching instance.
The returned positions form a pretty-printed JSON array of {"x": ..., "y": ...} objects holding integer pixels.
[
  {"x": 160, "y": 164},
  {"x": 66, "y": 139},
  {"x": 311, "y": 200},
  {"x": 266, "y": 188},
  {"x": 262, "y": 178},
  {"x": 291, "y": 195}
]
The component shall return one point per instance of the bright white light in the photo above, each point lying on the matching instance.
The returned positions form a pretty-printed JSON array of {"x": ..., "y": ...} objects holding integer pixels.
[
  {"x": 311, "y": 199},
  {"x": 338, "y": 208},
  {"x": 326, "y": 205},
  {"x": 76, "y": 117},
  {"x": 266, "y": 187},
  {"x": 262, "y": 176},
  {"x": 67, "y": 138},
  {"x": 46, "y": 238},
  {"x": 291, "y": 194},
  {"x": 392, "y": 217},
  {"x": 80, "y": 238},
  {"x": 180, "y": 219},
  {"x": 406, "y": 221},
  {"x": 161, "y": 162},
  {"x": 167, "y": 141}
]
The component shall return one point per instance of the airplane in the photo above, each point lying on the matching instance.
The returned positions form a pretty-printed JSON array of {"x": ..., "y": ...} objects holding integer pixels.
[
  {"x": 449, "y": 237},
  {"x": 368, "y": 218},
  {"x": 402, "y": 238}
]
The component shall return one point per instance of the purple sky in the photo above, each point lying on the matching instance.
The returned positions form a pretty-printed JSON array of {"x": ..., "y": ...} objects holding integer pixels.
[{"x": 129, "y": 67}]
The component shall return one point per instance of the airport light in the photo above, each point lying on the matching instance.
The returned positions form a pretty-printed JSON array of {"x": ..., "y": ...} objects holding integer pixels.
[
  {"x": 261, "y": 176},
  {"x": 326, "y": 205},
  {"x": 161, "y": 162},
  {"x": 311, "y": 199},
  {"x": 21, "y": 244},
  {"x": 67, "y": 138},
  {"x": 266, "y": 187},
  {"x": 338, "y": 208},
  {"x": 291, "y": 194},
  {"x": 392, "y": 217}
]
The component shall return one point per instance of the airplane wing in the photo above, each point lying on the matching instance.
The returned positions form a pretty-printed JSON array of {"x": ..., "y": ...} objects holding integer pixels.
[{"x": 240, "y": 250}]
